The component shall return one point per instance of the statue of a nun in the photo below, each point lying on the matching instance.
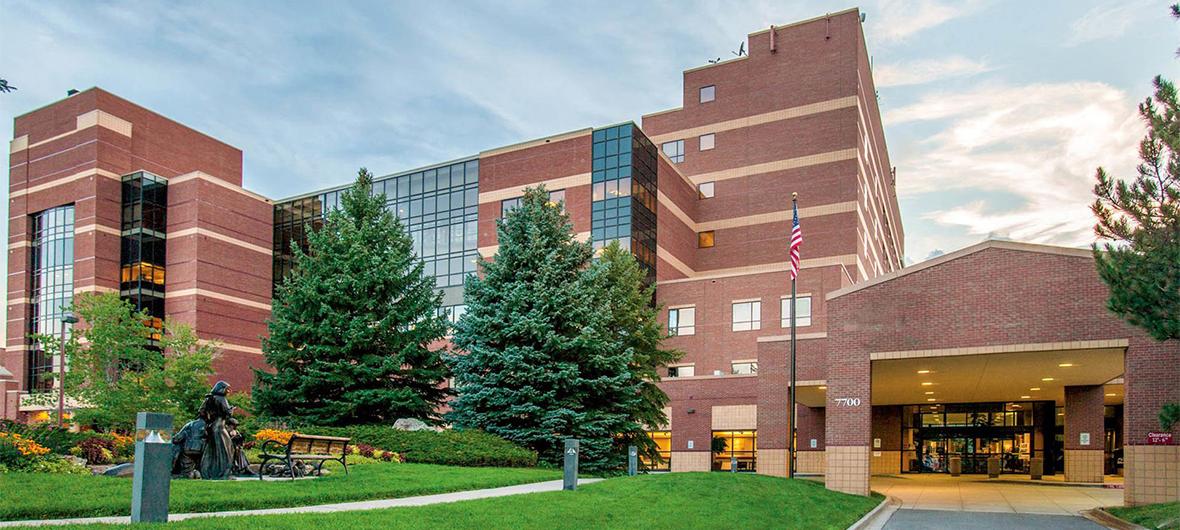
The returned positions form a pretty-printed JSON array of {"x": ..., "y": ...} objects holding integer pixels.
[{"x": 217, "y": 458}]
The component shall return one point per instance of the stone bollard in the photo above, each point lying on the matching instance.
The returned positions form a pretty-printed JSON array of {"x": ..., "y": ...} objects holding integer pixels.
[
  {"x": 570, "y": 479},
  {"x": 632, "y": 461},
  {"x": 993, "y": 467},
  {"x": 153, "y": 468},
  {"x": 733, "y": 463}
]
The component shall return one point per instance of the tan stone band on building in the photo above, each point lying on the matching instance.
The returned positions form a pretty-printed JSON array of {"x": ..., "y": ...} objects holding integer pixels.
[
  {"x": 201, "y": 175},
  {"x": 756, "y": 219},
  {"x": 86, "y": 173},
  {"x": 220, "y": 237},
  {"x": 1007, "y": 348},
  {"x": 827, "y": 261},
  {"x": 216, "y": 296},
  {"x": 561, "y": 183},
  {"x": 778, "y": 165},
  {"x": 94, "y": 118},
  {"x": 759, "y": 119},
  {"x": 95, "y": 227}
]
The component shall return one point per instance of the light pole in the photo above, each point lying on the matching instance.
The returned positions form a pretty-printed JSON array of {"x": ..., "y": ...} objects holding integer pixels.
[{"x": 61, "y": 370}]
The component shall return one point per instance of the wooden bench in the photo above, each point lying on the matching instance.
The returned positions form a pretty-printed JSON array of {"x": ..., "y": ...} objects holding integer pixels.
[{"x": 301, "y": 450}]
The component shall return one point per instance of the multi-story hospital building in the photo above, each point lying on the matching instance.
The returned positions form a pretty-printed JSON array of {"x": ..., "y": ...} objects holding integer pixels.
[{"x": 999, "y": 349}]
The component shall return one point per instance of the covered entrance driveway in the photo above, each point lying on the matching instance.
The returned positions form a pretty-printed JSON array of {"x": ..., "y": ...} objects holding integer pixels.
[
  {"x": 976, "y": 493},
  {"x": 935, "y": 410}
]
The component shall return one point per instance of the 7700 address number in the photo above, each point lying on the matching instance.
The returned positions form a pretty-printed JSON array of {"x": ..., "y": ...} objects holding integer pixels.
[{"x": 847, "y": 402}]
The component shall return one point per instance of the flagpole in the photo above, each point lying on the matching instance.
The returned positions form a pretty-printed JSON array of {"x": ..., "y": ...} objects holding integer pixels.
[{"x": 793, "y": 445}]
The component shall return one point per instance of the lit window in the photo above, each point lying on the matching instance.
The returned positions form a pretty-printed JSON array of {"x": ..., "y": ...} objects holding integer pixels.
[
  {"x": 682, "y": 321},
  {"x": 707, "y": 141},
  {"x": 705, "y": 239},
  {"x": 708, "y": 93},
  {"x": 705, "y": 189},
  {"x": 745, "y": 367},
  {"x": 747, "y": 316},
  {"x": 507, "y": 205},
  {"x": 802, "y": 311},
  {"x": 675, "y": 150},
  {"x": 555, "y": 197},
  {"x": 682, "y": 371}
]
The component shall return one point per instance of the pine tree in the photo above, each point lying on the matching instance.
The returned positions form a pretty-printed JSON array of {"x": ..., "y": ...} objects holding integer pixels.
[
  {"x": 352, "y": 326},
  {"x": 1142, "y": 217},
  {"x": 634, "y": 324},
  {"x": 538, "y": 362}
]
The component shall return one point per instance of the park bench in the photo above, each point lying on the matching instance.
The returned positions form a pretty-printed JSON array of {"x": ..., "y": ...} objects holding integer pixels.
[{"x": 299, "y": 452}]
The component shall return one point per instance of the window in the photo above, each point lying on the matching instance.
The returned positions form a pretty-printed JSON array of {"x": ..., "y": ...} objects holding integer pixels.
[
  {"x": 705, "y": 189},
  {"x": 747, "y": 316},
  {"x": 675, "y": 150},
  {"x": 742, "y": 444},
  {"x": 687, "y": 370},
  {"x": 52, "y": 270},
  {"x": 708, "y": 93},
  {"x": 663, "y": 441},
  {"x": 802, "y": 311},
  {"x": 453, "y": 313},
  {"x": 745, "y": 367},
  {"x": 707, "y": 141},
  {"x": 555, "y": 197},
  {"x": 682, "y": 321},
  {"x": 507, "y": 205},
  {"x": 705, "y": 239}
]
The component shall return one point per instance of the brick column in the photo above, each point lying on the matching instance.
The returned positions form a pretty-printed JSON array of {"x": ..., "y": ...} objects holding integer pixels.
[
  {"x": 1084, "y": 433},
  {"x": 886, "y": 458},
  {"x": 695, "y": 427},
  {"x": 1152, "y": 378},
  {"x": 849, "y": 419},
  {"x": 811, "y": 427}
]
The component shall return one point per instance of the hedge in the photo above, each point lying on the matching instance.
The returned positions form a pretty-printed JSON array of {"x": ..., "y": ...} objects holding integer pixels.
[{"x": 470, "y": 448}]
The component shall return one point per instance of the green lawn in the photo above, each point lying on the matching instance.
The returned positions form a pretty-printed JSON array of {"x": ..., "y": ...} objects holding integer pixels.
[
  {"x": 1154, "y": 516},
  {"x": 46, "y": 496},
  {"x": 656, "y": 502}
]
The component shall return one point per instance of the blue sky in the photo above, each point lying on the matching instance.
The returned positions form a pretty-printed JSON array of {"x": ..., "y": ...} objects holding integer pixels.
[{"x": 996, "y": 113}]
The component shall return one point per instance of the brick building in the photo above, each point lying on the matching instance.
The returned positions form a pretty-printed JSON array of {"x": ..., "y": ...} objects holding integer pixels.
[{"x": 998, "y": 350}]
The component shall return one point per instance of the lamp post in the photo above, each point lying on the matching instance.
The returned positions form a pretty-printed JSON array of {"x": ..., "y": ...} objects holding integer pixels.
[{"x": 61, "y": 370}]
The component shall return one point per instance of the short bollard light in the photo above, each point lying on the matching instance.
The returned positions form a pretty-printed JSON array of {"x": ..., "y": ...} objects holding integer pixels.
[
  {"x": 153, "y": 473},
  {"x": 570, "y": 479},
  {"x": 632, "y": 460},
  {"x": 733, "y": 463}
]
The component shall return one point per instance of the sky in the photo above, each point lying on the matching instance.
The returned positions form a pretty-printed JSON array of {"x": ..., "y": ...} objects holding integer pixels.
[{"x": 996, "y": 113}]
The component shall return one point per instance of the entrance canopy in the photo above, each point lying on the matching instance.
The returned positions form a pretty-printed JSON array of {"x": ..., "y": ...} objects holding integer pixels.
[{"x": 1028, "y": 372}]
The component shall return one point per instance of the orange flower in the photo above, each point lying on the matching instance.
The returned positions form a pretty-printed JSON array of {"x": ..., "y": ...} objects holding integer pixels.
[
  {"x": 25, "y": 446},
  {"x": 273, "y": 434}
]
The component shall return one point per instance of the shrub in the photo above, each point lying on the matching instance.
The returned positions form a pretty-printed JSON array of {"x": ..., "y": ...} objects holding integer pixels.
[
  {"x": 451, "y": 447},
  {"x": 365, "y": 450},
  {"x": 57, "y": 439},
  {"x": 97, "y": 450},
  {"x": 59, "y": 466}
]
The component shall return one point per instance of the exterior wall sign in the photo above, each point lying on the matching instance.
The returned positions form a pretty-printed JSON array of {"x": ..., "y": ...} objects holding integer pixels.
[
  {"x": 690, "y": 444},
  {"x": 876, "y": 443},
  {"x": 1159, "y": 438},
  {"x": 847, "y": 402},
  {"x": 814, "y": 444},
  {"x": 1084, "y": 438}
]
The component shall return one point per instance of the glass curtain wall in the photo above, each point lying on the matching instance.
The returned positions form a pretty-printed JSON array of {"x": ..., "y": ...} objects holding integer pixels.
[
  {"x": 623, "y": 192},
  {"x": 52, "y": 277},
  {"x": 438, "y": 206},
  {"x": 974, "y": 432},
  {"x": 142, "y": 257}
]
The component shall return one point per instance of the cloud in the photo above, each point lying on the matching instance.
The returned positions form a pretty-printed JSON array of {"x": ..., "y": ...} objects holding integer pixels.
[
  {"x": 899, "y": 19},
  {"x": 927, "y": 71},
  {"x": 1109, "y": 20},
  {"x": 1031, "y": 150}
]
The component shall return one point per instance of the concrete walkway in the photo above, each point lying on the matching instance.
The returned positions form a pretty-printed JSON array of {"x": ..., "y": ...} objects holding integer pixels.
[
  {"x": 537, "y": 487},
  {"x": 975, "y": 493}
]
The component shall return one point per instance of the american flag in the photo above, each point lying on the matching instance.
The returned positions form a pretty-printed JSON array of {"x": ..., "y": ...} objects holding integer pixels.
[{"x": 796, "y": 242}]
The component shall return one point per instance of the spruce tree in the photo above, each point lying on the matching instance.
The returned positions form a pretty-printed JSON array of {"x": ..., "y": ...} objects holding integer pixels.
[
  {"x": 633, "y": 323},
  {"x": 538, "y": 361},
  {"x": 352, "y": 326}
]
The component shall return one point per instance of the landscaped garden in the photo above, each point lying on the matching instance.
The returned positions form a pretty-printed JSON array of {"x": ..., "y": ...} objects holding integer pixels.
[{"x": 659, "y": 501}]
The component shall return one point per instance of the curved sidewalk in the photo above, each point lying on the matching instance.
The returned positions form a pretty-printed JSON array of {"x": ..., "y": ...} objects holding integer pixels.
[{"x": 536, "y": 487}]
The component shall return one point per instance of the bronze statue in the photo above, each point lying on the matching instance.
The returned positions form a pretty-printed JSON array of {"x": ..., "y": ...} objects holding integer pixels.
[
  {"x": 218, "y": 453},
  {"x": 241, "y": 465},
  {"x": 187, "y": 446}
]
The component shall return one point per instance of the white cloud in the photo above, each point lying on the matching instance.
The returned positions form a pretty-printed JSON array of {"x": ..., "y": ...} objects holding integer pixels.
[
  {"x": 1109, "y": 20},
  {"x": 1032, "y": 149},
  {"x": 928, "y": 70},
  {"x": 898, "y": 19}
]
